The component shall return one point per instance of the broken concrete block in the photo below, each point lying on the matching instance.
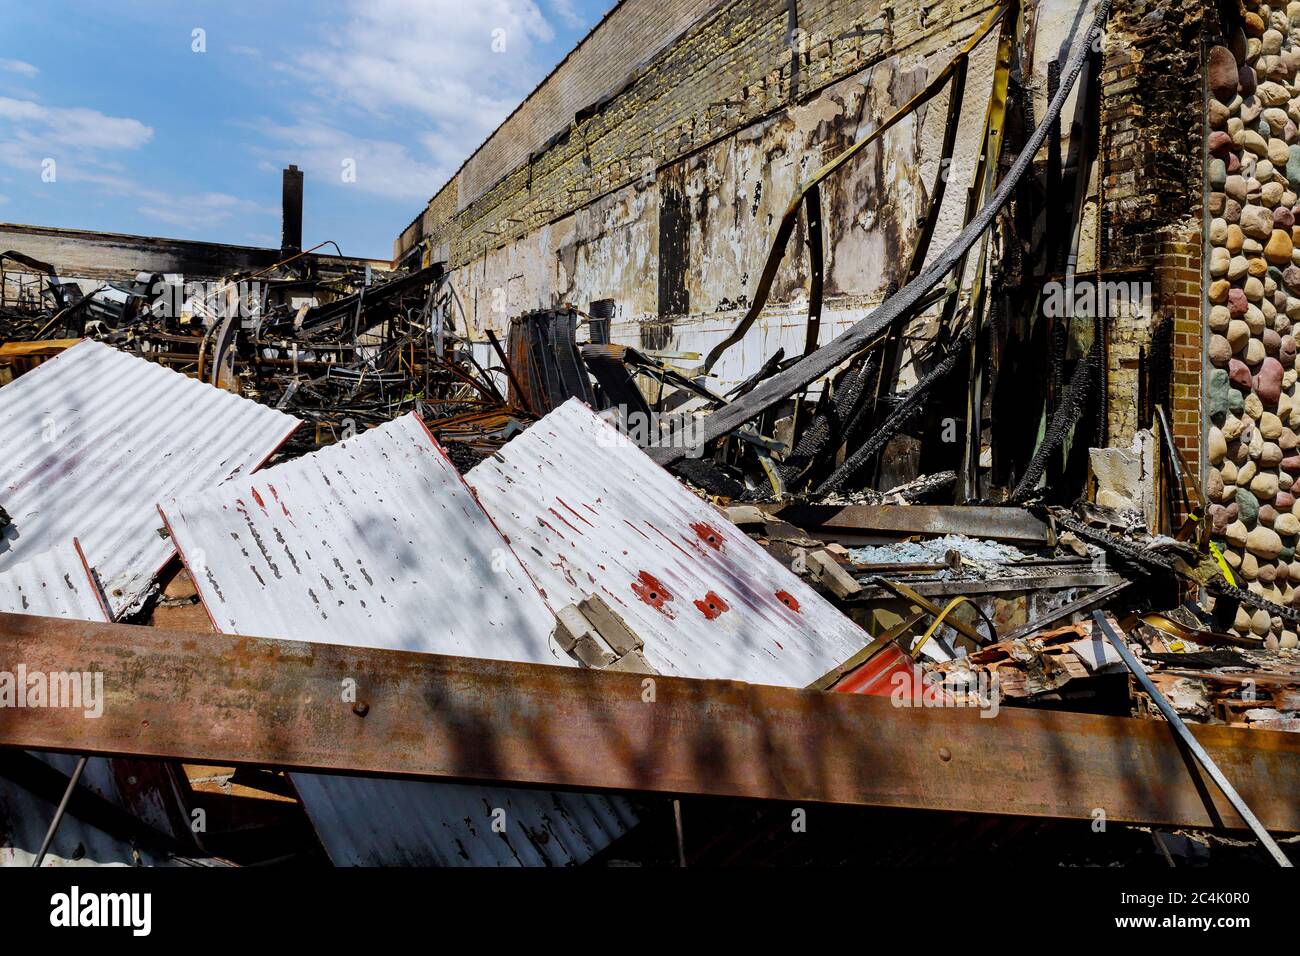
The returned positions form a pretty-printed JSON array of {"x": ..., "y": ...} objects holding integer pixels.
[
  {"x": 632, "y": 663},
  {"x": 828, "y": 572},
  {"x": 606, "y": 621},
  {"x": 742, "y": 515}
]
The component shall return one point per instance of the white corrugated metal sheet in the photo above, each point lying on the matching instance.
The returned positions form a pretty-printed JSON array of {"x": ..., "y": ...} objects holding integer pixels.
[
  {"x": 57, "y": 584},
  {"x": 24, "y": 818},
  {"x": 92, "y": 440},
  {"x": 588, "y": 512},
  {"x": 377, "y": 542}
]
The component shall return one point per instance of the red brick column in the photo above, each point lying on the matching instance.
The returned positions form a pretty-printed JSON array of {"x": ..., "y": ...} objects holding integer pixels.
[{"x": 1180, "y": 294}]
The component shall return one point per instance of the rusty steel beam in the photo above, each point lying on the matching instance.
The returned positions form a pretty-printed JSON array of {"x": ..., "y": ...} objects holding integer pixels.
[{"x": 226, "y": 699}]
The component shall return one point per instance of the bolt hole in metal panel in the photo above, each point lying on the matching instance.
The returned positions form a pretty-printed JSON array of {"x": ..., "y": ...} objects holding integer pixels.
[
  {"x": 57, "y": 583},
  {"x": 587, "y": 511},
  {"x": 377, "y": 542},
  {"x": 93, "y": 439}
]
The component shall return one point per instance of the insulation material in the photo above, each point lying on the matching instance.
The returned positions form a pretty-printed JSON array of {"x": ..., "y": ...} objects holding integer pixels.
[
  {"x": 587, "y": 512},
  {"x": 94, "y": 438},
  {"x": 377, "y": 542}
]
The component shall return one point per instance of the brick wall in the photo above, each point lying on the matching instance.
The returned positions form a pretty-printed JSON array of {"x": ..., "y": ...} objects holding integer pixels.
[
  {"x": 1152, "y": 115},
  {"x": 731, "y": 68},
  {"x": 1182, "y": 298}
]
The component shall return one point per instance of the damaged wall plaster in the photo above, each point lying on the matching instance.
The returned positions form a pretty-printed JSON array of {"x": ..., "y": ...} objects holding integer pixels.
[{"x": 667, "y": 199}]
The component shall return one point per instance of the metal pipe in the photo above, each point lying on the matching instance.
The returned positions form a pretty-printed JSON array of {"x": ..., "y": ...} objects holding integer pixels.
[
  {"x": 1192, "y": 744},
  {"x": 58, "y": 813}
]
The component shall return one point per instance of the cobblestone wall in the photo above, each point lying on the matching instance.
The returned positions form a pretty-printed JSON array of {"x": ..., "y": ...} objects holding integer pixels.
[{"x": 1253, "y": 262}]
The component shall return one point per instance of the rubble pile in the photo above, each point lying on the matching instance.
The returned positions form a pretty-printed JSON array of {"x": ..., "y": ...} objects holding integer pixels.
[{"x": 423, "y": 594}]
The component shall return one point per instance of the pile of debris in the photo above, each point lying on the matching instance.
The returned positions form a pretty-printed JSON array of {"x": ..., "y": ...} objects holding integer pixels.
[
  {"x": 566, "y": 546},
  {"x": 504, "y": 502},
  {"x": 345, "y": 351}
]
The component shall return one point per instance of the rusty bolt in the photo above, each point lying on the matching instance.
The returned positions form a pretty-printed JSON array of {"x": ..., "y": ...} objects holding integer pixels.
[
  {"x": 945, "y": 754},
  {"x": 361, "y": 708}
]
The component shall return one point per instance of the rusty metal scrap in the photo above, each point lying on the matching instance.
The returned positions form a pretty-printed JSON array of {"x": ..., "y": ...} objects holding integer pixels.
[
  {"x": 1029, "y": 669},
  {"x": 980, "y": 521},
  {"x": 234, "y": 700},
  {"x": 58, "y": 584},
  {"x": 1191, "y": 743}
]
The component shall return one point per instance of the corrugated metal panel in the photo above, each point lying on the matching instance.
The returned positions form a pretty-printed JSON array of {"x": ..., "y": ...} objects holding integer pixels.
[
  {"x": 377, "y": 542},
  {"x": 92, "y": 440},
  {"x": 57, "y": 584},
  {"x": 24, "y": 818},
  {"x": 52, "y": 584},
  {"x": 588, "y": 512}
]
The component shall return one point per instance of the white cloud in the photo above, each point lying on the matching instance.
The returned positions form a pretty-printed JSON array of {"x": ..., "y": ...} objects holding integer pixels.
[
  {"x": 409, "y": 88},
  {"x": 564, "y": 10},
  {"x": 33, "y": 125},
  {"x": 81, "y": 141},
  {"x": 197, "y": 212},
  {"x": 436, "y": 57},
  {"x": 18, "y": 66},
  {"x": 383, "y": 168}
]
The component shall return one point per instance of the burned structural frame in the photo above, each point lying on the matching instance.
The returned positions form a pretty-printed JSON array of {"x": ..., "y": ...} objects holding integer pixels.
[{"x": 914, "y": 295}]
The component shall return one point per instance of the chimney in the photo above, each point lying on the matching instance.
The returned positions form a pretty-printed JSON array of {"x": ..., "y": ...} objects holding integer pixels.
[{"x": 291, "y": 214}]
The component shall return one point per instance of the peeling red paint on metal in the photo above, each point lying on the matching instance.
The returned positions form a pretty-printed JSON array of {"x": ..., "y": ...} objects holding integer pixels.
[
  {"x": 563, "y": 567},
  {"x": 643, "y": 522},
  {"x": 562, "y": 518},
  {"x": 546, "y": 524},
  {"x": 683, "y": 551},
  {"x": 651, "y": 590},
  {"x": 276, "y": 495},
  {"x": 708, "y": 534},
  {"x": 574, "y": 513},
  {"x": 711, "y": 605}
]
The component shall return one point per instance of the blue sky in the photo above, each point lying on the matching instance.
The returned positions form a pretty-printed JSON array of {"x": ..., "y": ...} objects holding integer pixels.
[{"x": 149, "y": 136}]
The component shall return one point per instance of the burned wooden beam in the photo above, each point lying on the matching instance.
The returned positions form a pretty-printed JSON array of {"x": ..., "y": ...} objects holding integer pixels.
[
  {"x": 909, "y": 406},
  {"x": 1063, "y": 419},
  {"x": 231, "y": 700}
]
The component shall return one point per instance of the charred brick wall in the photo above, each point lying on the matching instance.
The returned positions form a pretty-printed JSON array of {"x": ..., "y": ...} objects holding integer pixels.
[
  {"x": 664, "y": 193},
  {"x": 1152, "y": 116}
]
